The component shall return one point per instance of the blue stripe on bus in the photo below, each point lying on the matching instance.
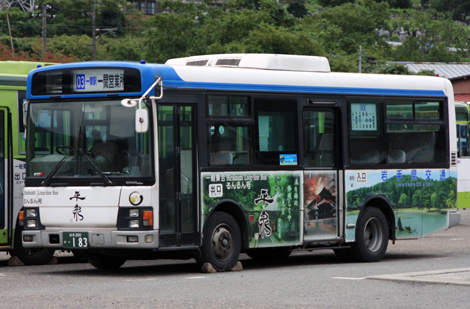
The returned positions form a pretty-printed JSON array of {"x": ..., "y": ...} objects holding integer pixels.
[
  {"x": 304, "y": 89},
  {"x": 270, "y": 88}
]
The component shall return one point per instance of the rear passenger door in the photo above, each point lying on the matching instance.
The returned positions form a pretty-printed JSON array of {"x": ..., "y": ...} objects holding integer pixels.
[{"x": 321, "y": 159}]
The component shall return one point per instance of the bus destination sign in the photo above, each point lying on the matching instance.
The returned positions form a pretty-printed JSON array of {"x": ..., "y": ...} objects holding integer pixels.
[{"x": 98, "y": 80}]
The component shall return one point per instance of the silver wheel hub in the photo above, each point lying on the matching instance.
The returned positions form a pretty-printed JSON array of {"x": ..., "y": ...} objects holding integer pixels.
[
  {"x": 373, "y": 235},
  {"x": 222, "y": 242}
]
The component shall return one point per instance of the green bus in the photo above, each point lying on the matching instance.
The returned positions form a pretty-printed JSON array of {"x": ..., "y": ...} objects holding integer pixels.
[
  {"x": 462, "y": 111},
  {"x": 13, "y": 76}
]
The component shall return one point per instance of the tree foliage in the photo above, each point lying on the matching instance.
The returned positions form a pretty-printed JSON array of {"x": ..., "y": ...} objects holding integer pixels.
[
  {"x": 458, "y": 8},
  {"x": 436, "y": 38},
  {"x": 336, "y": 31},
  {"x": 347, "y": 26}
]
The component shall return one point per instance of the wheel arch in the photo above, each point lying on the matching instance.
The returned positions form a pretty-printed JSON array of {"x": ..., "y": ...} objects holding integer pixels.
[
  {"x": 236, "y": 211},
  {"x": 384, "y": 205}
]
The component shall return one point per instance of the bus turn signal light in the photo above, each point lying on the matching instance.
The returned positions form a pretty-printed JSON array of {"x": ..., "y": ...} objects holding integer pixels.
[{"x": 147, "y": 216}]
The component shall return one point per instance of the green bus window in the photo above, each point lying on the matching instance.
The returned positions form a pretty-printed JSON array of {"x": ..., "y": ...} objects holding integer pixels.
[{"x": 462, "y": 143}]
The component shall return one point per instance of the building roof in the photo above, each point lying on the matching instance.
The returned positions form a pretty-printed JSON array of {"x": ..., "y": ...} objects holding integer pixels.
[
  {"x": 462, "y": 97},
  {"x": 448, "y": 70}
]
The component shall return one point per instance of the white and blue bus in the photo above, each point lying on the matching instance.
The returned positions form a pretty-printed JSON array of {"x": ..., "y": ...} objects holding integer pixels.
[{"x": 213, "y": 156}]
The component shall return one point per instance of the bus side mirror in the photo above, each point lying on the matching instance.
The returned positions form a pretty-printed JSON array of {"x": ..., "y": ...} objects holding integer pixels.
[{"x": 141, "y": 121}]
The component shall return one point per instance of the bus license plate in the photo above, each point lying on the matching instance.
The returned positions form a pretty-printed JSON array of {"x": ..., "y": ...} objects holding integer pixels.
[{"x": 76, "y": 240}]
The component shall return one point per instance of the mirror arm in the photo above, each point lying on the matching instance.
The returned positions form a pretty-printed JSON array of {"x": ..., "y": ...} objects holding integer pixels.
[{"x": 157, "y": 82}]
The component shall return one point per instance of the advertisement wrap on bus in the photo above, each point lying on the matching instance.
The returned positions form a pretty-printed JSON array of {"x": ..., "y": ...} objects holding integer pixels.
[{"x": 216, "y": 155}]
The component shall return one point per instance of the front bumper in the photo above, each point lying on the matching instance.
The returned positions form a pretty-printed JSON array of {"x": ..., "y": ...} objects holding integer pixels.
[{"x": 102, "y": 239}]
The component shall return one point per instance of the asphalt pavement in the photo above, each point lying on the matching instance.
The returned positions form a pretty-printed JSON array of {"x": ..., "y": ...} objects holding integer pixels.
[{"x": 456, "y": 276}]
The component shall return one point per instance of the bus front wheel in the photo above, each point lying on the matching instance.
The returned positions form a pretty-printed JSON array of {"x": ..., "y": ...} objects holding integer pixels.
[
  {"x": 30, "y": 256},
  {"x": 371, "y": 236},
  {"x": 222, "y": 242}
]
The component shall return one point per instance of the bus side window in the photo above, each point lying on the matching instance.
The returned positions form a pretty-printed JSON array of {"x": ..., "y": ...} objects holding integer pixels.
[
  {"x": 366, "y": 132},
  {"x": 318, "y": 138},
  {"x": 276, "y": 125},
  {"x": 229, "y": 143},
  {"x": 463, "y": 141}
]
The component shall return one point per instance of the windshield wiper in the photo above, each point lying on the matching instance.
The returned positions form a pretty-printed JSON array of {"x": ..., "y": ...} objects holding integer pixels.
[
  {"x": 106, "y": 179},
  {"x": 45, "y": 182},
  {"x": 83, "y": 152}
]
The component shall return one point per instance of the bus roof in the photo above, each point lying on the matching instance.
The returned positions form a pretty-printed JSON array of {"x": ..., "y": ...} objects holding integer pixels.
[
  {"x": 261, "y": 80},
  {"x": 14, "y": 73},
  {"x": 258, "y": 61}
]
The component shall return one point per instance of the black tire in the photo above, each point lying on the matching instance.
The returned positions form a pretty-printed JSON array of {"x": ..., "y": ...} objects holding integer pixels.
[
  {"x": 343, "y": 255},
  {"x": 371, "y": 236},
  {"x": 106, "y": 261},
  {"x": 269, "y": 254},
  {"x": 221, "y": 243},
  {"x": 30, "y": 256},
  {"x": 80, "y": 254}
]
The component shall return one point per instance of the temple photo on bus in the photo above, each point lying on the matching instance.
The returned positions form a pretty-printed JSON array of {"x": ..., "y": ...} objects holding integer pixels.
[{"x": 211, "y": 156}]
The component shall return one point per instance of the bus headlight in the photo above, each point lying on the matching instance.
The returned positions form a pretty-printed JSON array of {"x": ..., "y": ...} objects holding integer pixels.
[
  {"x": 134, "y": 212},
  {"x": 134, "y": 224},
  {"x": 31, "y": 223},
  {"x": 132, "y": 218},
  {"x": 31, "y": 218},
  {"x": 31, "y": 212}
]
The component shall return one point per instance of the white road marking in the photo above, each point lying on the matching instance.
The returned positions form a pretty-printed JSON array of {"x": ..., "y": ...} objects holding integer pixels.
[
  {"x": 198, "y": 277},
  {"x": 349, "y": 278},
  {"x": 141, "y": 279}
]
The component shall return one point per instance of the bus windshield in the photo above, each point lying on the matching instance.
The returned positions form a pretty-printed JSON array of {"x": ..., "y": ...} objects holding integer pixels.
[{"x": 85, "y": 139}]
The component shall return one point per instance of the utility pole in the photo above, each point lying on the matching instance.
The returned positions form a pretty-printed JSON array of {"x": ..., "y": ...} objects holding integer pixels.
[
  {"x": 44, "y": 7},
  {"x": 44, "y": 29},
  {"x": 94, "y": 30}
]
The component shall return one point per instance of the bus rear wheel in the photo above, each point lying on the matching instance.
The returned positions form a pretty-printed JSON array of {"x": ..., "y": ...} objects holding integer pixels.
[
  {"x": 106, "y": 261},
  {"x": 371, "y": 236},
  {"x": 222, "y": 242}
]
